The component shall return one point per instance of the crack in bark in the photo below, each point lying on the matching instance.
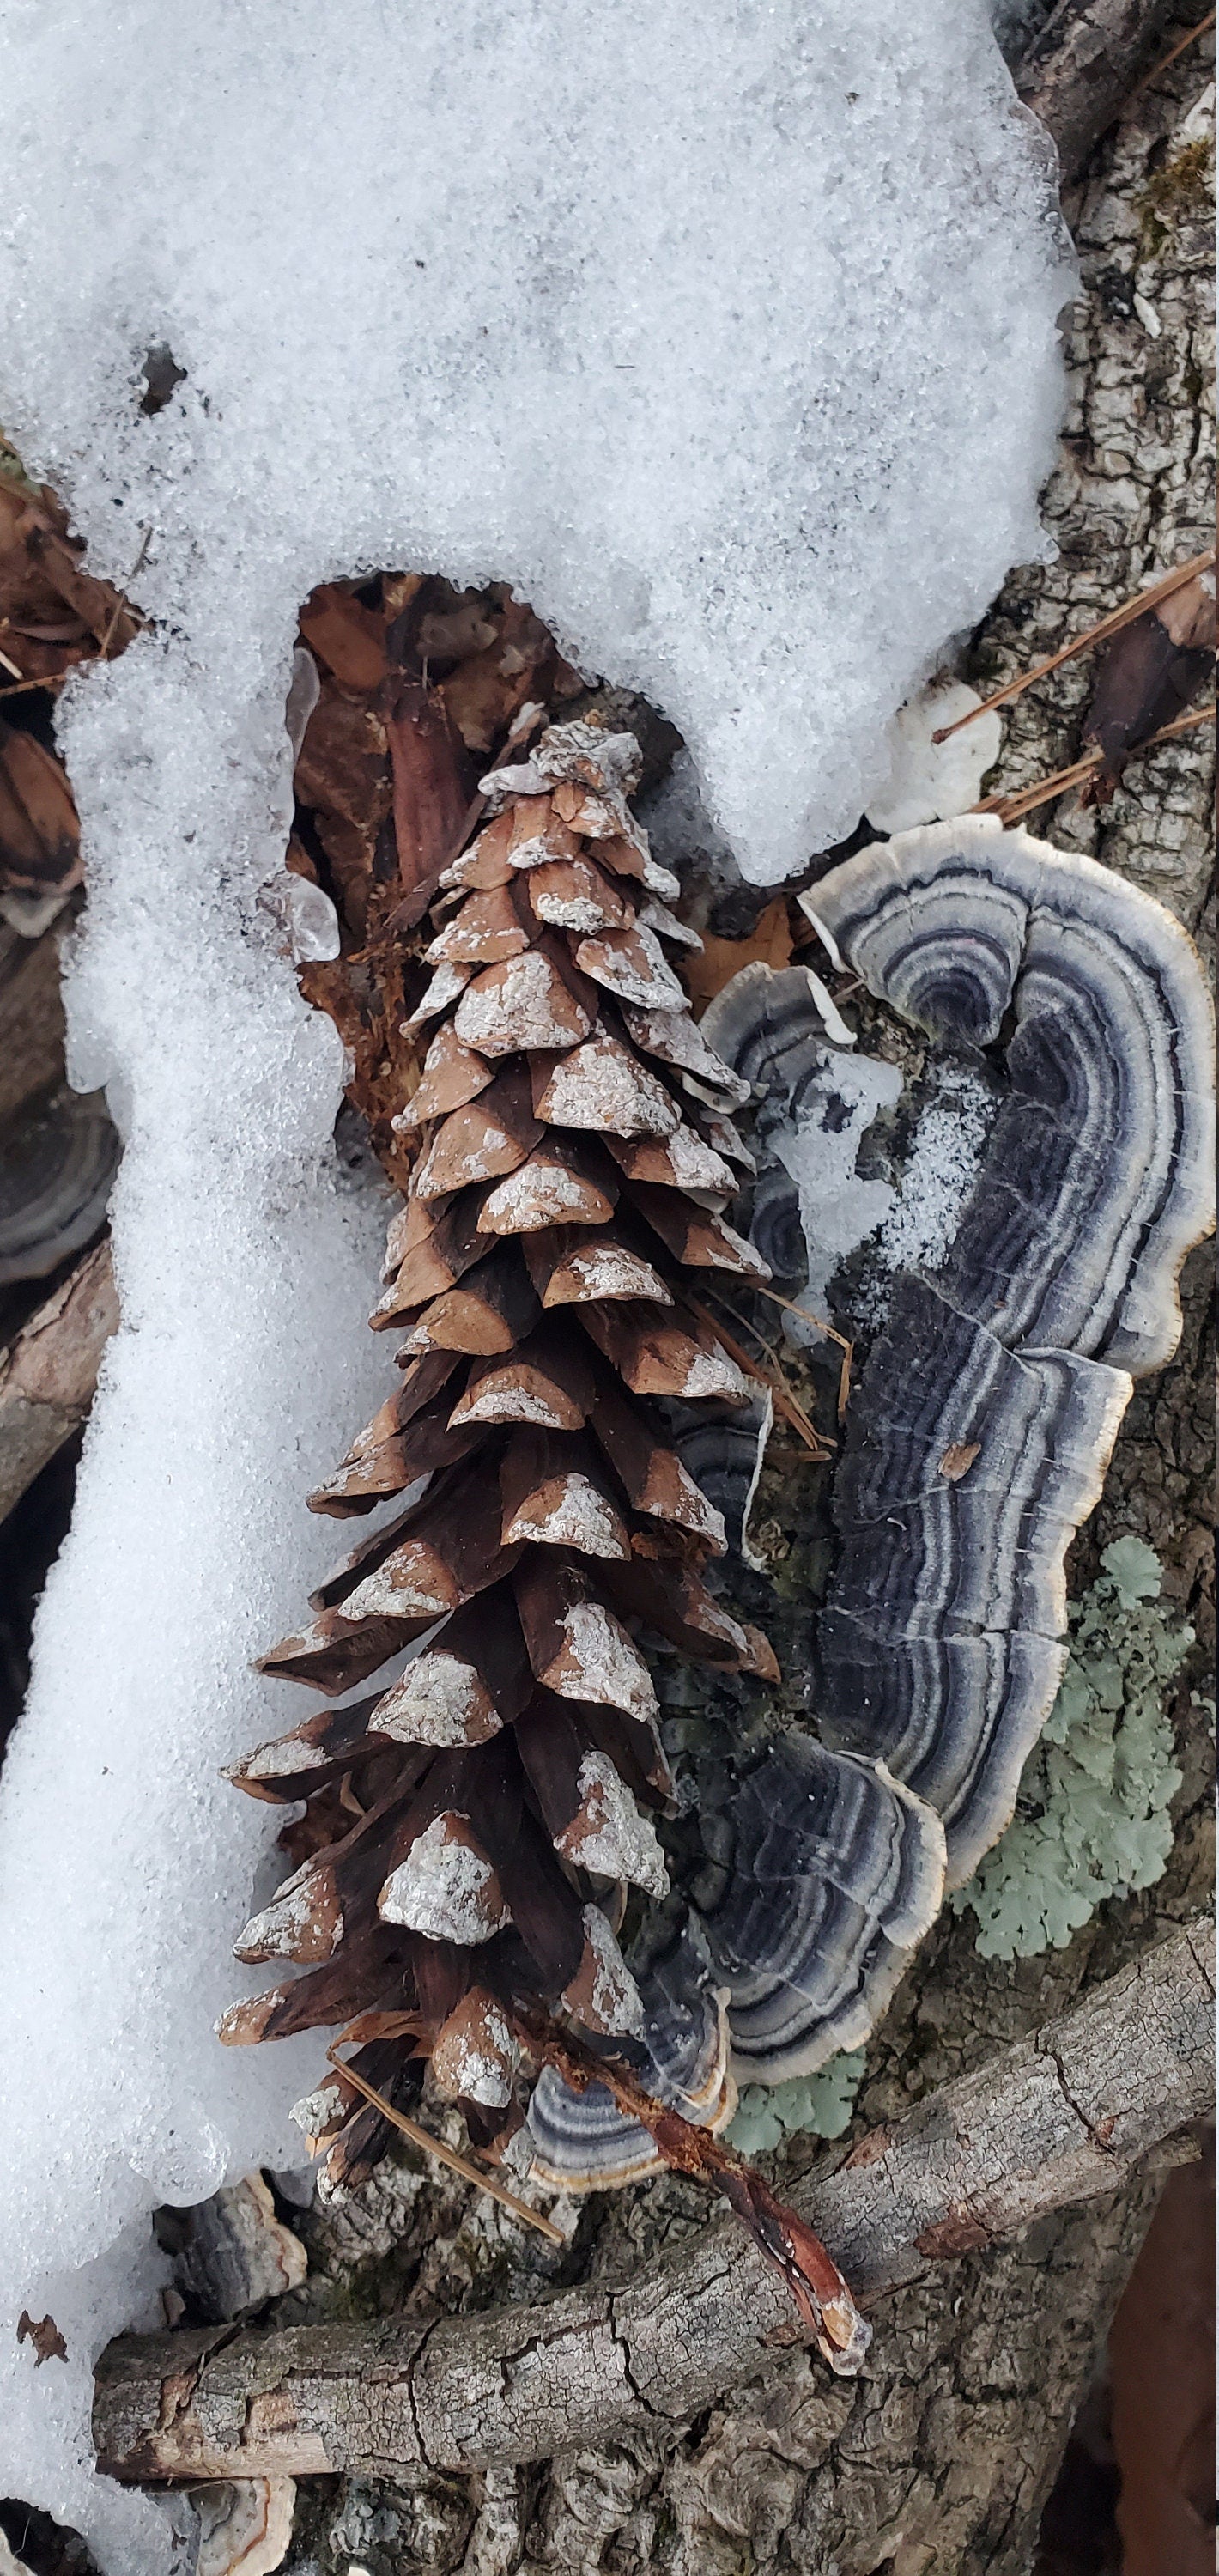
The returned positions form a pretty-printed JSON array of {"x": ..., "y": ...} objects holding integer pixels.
[{"x": 1097, "y": 2133}]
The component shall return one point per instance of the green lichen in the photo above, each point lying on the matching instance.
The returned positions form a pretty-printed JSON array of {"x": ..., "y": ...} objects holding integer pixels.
[
  {"x": 821, "y": 2103},
  {"x": 1092, "y": 1819},
  {"x": 1179, "y": 193}
]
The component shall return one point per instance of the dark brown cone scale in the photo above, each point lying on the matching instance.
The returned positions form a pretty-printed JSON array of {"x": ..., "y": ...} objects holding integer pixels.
[{"x": 569, "y": 1142}]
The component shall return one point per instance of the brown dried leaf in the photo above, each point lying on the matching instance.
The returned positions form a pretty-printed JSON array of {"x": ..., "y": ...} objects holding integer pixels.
[
  {"x": 347, "y": 637},
  {"x": 366, "y": 996},
  {"x": 431, "y": 784},
  {"x": 51, "y": 613},
  {"x": 45, "y": 2336},
  {"x": 770, "y": 941},
  {"x": 958, "y": 1458},
  {"x": 490, "y": 687},
  {"x": 343, "y": 777},
  {"x": 1149, "y": 673}
]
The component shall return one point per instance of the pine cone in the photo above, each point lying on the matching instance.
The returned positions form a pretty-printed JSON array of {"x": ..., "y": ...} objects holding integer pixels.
[{"x": 470, "y": 1830}]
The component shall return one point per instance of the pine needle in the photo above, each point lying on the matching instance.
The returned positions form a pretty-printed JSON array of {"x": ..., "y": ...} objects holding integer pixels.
[
  {"x": 832, "y": 1335},
  {"x": 1181, "y": 46},
  {"x": 1010, "y": 807},
  {"x": 1106, "y": 626},
  {"x": 771, "y": 1375},
  {"x": 444, "y": 2155}
]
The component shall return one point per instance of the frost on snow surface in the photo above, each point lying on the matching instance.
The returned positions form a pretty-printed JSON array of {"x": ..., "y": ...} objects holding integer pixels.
[{"x": 727, "y": 337}]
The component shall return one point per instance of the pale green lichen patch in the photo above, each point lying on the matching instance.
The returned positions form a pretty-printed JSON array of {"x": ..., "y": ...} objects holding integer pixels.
[
  {"x": 820, "y": 2104},
  {"x": 1092, "y": 1818}
]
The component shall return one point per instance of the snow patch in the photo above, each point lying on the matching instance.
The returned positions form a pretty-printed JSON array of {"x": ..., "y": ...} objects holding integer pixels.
[
  {"x": 838, "y": 1209},
  {"x": 929, "y": 781},
  {"x": 940, "y": 1171}
]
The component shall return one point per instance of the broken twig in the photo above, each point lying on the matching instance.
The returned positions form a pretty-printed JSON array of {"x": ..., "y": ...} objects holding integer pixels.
[{"x": 1058, "y": 2117}]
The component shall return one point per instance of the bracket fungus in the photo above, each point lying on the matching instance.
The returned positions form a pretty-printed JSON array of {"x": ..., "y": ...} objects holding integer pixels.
[
  {"x": 676, "y": 2038},
  {"x": 56, "y": 1174},
  {"x": 1100, "y": 1172}
]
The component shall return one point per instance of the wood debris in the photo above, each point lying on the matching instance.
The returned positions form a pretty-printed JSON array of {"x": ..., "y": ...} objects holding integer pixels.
[{"x": 45, "y": 2336}]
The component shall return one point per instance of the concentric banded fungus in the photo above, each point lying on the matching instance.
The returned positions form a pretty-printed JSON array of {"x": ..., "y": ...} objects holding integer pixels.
[
  {"x": 978, "y": 1436},
  {"x": 966, "y": 1471},
  {"x": 56, "y": 1176},
  {"x": 832, "y": 1872},
  {"x": 581, "y": 2141},
  {"x": 1100, "y": 1173},
  {"x": 777, "y": 1028}
]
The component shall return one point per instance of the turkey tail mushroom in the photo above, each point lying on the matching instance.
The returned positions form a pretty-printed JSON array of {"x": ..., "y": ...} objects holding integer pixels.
[
  {"x": 980, "y": 1430},
  {"x": 676, "y": 2043},
  {"x": 966, "y": 1471},
  {"x": 56, "y": 1173},
  {"x": 1100, "y": 1173},
  {"x": 829, "y": 1873}
]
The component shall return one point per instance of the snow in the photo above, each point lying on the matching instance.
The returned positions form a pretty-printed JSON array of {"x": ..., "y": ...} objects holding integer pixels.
[
  {"x": 939, "y": 1172},
  {"x": 929, "y": 781},
  {"x": 838, "y": 1208},
  {"x": 726, "y": 336},
  {"x": 908, "y": 1223},
  {"x": 242, "y": 1367}
]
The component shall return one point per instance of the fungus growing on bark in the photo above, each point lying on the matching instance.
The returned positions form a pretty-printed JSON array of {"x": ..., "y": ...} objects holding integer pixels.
[
  {"x": 978, "y": 1434},
  {"x": 966, "y": 1471},
  {"x": 830, "y": 1873},
  {"x": 56, "y": 1179},
  {"x": 1100, "y": 1171},
  {"x": 582, "y": 2141},
  {"x": 982, "y": 1424}
]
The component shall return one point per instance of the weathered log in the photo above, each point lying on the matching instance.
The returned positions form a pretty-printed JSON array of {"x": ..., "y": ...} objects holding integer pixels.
[
  {"x": 48, "y": 1374},
  {"x": 1061, "y": 2116}
]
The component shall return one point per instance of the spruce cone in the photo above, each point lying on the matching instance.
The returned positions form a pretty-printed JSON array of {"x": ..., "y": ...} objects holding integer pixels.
[{"x": 471, "y": 1829}]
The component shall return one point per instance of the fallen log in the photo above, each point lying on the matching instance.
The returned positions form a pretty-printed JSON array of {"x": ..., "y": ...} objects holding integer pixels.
[
  {"x": 1061, "y": 2116},
  {"x": 48, "y": 1374}
]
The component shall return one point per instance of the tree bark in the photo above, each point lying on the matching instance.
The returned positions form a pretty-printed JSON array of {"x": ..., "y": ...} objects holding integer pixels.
[
  {"x": 1083, "y": 65},
  {"x": 1056, "y": 2119}
]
